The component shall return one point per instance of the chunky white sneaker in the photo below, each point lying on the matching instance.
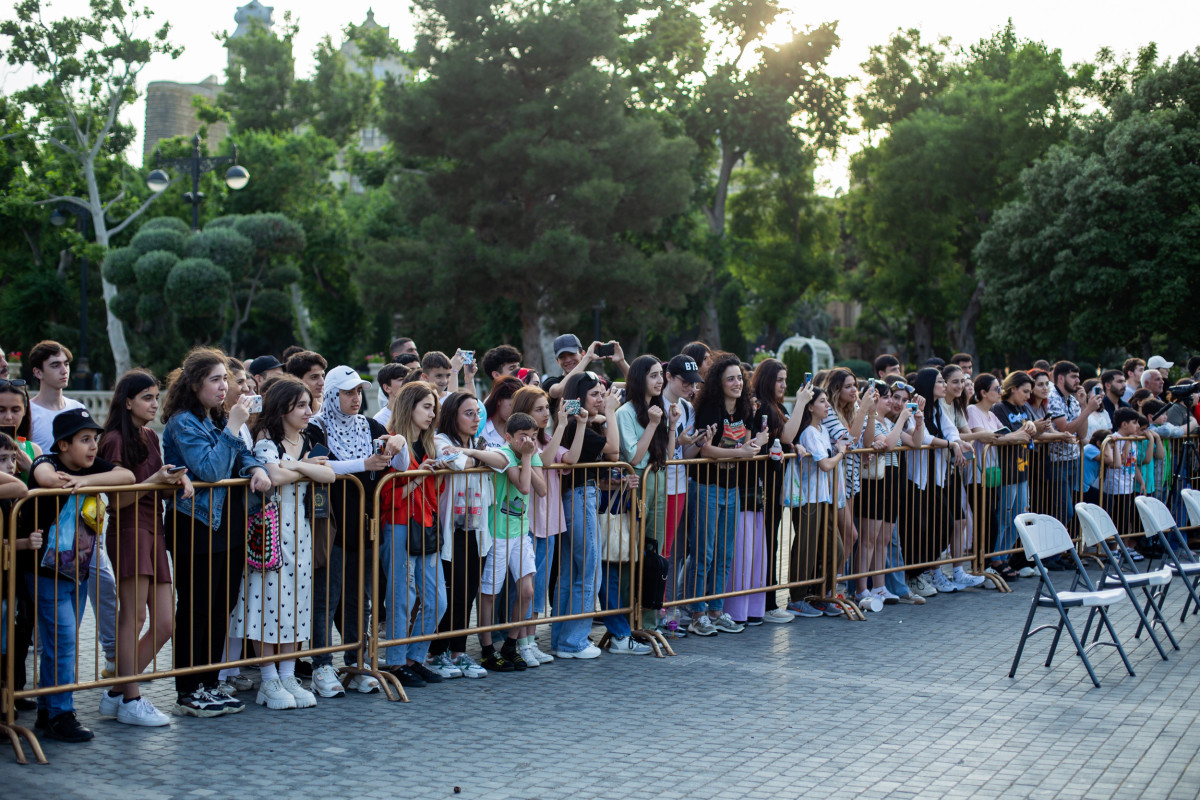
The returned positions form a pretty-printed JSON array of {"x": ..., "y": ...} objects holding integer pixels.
[
  {"x": 363, "y": 684},
  {"x": 109, "y": 705},
  {"x": 778, "y": 616},
  {"x": 304, "y": 698},
  {"x": 325, "y": 682},
  {"x": 543, "y": 658},
  {"x": 725, "y": 624},
  {"x": 527, "y": 655},
  {"x": 869, "y": 601},
  {"x": 469, "y": 668},
  {"x": 142, "y": 712},
  {"x": 922, "y": 586},
  {"x": 942, "y": 583},
  {"x": 965, "y": 580},
  {"x": 272, "y": 695},
  {"x": 703, "y": 626},
  {"x": 442, "y": 665},
  {"x": 628, "y": 646},
  {"x": 912, "y": 599}
]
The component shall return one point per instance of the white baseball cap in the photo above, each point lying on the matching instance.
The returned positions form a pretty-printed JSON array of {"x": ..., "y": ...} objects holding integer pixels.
[
  {"x": 344, "y": 378},
  {"x": 1158, "y": 362}
]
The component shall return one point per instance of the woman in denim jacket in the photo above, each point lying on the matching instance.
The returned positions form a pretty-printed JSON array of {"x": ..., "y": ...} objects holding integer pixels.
[{"x": 206, "y": 533}]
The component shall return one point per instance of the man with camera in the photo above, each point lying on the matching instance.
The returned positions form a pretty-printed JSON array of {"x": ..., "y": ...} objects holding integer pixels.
[{"x": 571, "y": 357}]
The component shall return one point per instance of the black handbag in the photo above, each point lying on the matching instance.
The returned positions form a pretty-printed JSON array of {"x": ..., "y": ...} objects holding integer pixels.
[
  {"x": 423, "y": 541},
  {"x": 655, "y": 570}
]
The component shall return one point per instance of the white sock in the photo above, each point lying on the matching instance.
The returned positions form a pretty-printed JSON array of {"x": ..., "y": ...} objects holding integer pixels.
[
  {"x": 269, "y": 672},
  {"x": 287, "y": 669}
]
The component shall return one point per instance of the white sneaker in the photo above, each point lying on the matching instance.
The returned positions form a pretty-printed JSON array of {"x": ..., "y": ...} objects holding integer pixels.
[
  {"x": 325, "y": 682},
  {"x": 591, "y": 651},
  {"x": 912, "y": 599},
  {"x": 109, "y": 705},
  {"x": 469, "y": 667},
  {"x": 869, "y": 601},
  {"x": 442, "y": 665},
  {"x": 227, "y": 687},
  {"x": 777, "y": 615},
  {"x": 922, "y": 586},
  {"x": 1026, "y": 572},
  {"x": 965, "y": 580},
  {"x": 110, "y": 666},
  {"x": 703, "y": 626},
  {"x": 363, "y": 684},
  {"x": 304, "y": 698},
  {"x": 272, "y": 695},
  {"x": 142, "y": 712},
  {"x": 887, "y": 597},
  {"x": 725, "y": 624},
  {"x": 942, "y": 583},
  {"x": 627, "y": 645},
  {"x": 544, "y": 658},
  {"x": 528, "y": 656}
]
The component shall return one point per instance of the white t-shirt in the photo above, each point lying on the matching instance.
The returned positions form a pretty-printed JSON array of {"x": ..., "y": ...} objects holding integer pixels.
[
  {"x": 816, "y": 482},
  {"x": 42, "y": 420},
  {"x": 384, "y": 416},
  {"x": 677, "y": 475}
]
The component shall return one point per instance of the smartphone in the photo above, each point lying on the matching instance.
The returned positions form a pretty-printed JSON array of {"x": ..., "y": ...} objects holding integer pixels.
[
  {"x": 764, "y": 422},
  {"x": 606, "y": 350},
  {"x": 619, "y": 385},
  {"x": 445, "y": 458},
  {"x": 176, "y": 470},
  {"x": 807, "y": 378},
  {"x": 1098, "y": 390},
  {"x": 256, "y": 404},
  {"x": 318, "y": 451},
  {"x": 571, "y": 407},
  {"x": 380, "y": 446},
  {"x": 468, "y": 356},
  {"x": 912, "y": 407}
]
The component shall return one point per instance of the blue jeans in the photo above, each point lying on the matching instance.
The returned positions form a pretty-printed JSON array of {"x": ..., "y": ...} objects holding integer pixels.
[
  {"x": 712, "y": 519},
  {"x": 543, "y": 555},
  {"x": 57, "y": 623},
  {"x": 894, "y": 581},
  {"x": 610, "y": 597},
  {"x": 1014, "y": 499},
  {"x": 578, "y": 568},
  {"x": 1066, "y": 482},
  {"x": 410, "y": 577}
]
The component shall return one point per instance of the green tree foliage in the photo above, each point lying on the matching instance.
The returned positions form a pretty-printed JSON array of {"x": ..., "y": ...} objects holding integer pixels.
[
  {"x": 958, "y": 133},
  {"x": 538, "y": 171},
  {"x": 1110, "y": 221},
  {"x": 260, "y": 81}
]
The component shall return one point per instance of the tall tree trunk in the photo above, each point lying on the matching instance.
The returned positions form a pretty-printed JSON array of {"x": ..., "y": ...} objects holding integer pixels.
[
  {"x": 301, "y": 316},
  {"x": 710, "y": 326},
  {"x": 963, "y": 336},
  {"x": 116, "y": 329},
  {"x": 922, "y": 339},
  {"x": 531, "y": 334}
]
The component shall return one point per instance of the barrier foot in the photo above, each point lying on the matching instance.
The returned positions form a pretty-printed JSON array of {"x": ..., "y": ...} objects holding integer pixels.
[
  {"x": 851, "y": 609},
  {"x": 656, "y": 642},
  {"x": 997, "y": 581},
  {"x": 388, "y": 683},
  {"x": 15, "y": 733}
]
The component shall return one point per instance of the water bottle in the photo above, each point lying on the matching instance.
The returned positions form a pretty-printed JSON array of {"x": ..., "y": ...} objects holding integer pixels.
[{"x": 776, "y": 451}]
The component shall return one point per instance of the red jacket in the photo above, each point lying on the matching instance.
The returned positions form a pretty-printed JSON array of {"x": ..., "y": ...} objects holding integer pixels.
[{"x": 420, "y": 507}]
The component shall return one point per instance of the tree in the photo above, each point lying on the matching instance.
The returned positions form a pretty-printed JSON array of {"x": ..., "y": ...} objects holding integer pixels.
[
  {"x": 260, "y": 79},
  {"x": 1108, "y": 220},
  {"x": 91, "y": 65},
  {"x": 539, "y": 173}
]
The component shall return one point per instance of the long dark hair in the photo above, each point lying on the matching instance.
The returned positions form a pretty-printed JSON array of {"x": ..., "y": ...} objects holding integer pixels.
[
  {"x": 25, "y": 429},
  {"x": 134, "y": 450},
  {"x": 806, "y": 417},
  {"x": 635, "y": 395},
  {"x": 576, "y": 388},
  {"x": 712, "y": 394},
  {"x": 184, "y": 383},
  {"x": 763, "y": 384},
  {"x": 282, "y": 396},
  {"x": 983, "y": 384},
  {"x": 447, "y": 421},
  {"x": 924, "y": 383}
]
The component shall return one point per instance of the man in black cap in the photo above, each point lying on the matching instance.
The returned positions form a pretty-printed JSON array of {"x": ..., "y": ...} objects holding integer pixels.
[
  {"x": 72, "y": 464},
  {"x": 569, "y": 354},
  {"x": 263, "y": 368}
]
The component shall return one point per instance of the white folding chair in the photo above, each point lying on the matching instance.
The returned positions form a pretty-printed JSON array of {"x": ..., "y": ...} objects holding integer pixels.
[
  {"x": 1191, "y": 502},
  {"x": 1043, "y": 536},
  {"x": 1158, "y": 522},
  {"x": 1098, "y": 528}
]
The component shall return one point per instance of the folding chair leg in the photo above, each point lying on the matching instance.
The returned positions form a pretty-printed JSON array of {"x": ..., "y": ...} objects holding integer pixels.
[
  {"x": 1024, "y": 636},
  {"x": 1079, "y": 648},
  {"x": 1159, "y": 619},
  {"x": 1058, "y": 635},
  {"x": 1116, "y": 641},
  {"x": 1088, "y": 627},
  {"x": 1191, "y": 598},
  {"x": 1145, "y": 623}
]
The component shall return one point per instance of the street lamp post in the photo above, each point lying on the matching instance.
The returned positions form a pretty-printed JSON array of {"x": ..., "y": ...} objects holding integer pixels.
[
  {"x": 196, "y": 165},
  {"x": 58, "y": 219}
]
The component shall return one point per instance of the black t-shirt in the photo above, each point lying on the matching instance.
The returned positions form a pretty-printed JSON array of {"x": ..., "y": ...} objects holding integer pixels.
[
  {"x": 732, "y": 431},
  {"x": 1013, "y": 458},
  {"x": 42, "y": 512},
  {"x": 592, "y": 453}
]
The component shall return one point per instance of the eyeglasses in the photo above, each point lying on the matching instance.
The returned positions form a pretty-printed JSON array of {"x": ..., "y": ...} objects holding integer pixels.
[
  {"x": 471, "y": 414},
  {"x": 15, "y": 382}
]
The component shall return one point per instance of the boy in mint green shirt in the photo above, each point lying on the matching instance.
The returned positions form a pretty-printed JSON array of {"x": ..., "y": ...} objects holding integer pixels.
[{"x": 512, "y": 544}]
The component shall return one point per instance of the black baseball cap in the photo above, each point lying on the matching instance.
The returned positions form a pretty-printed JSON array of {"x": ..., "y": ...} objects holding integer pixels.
[
  {"x": 567, "y": 343},
  {"x": 263, "y": 363},
  {"x": 685, "y": 367},
  {"x": 71, "y": 422}
]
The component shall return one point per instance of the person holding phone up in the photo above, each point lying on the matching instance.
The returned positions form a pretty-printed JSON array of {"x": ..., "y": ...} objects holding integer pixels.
[{"x": 570, "y": 355}]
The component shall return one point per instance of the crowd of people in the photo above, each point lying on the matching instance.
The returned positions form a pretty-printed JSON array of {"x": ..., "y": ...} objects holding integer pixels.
[{"x": 915, "y": 471}]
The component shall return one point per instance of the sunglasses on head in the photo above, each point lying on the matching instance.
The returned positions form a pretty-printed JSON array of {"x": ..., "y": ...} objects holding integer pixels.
[{"x": 15, "y": 382}]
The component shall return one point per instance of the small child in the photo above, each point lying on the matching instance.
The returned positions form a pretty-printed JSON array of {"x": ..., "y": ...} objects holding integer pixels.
[
  {"x": 1121, "y": 473},
  {"x": 512, "y": 544},
  {"x": 72, "y": 465},
  {"x": 1091, "y": 466}
]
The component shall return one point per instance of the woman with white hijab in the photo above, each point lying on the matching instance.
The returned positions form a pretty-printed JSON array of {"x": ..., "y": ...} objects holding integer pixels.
[{"x": 351, "y": 438}]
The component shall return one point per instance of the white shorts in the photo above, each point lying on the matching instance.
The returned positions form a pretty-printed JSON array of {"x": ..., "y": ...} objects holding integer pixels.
[{"x": 517, "y": 553}]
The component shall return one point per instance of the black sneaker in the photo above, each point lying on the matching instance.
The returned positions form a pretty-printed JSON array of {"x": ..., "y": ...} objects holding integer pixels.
[
  {"x": 753, "y": 621},
  {"x": 496, "y": 662},
  {"x": 43, "y": 719},
  {"x": 408, "y": 678},
  {"x": 231, "y": 703},
  {"x": 200, "y": 703},
  {"x": 425, "y": 673},
  {"x": 25, "y": 704},
  {"x": 515, "y": 658},
  {"x": 65, "y": 728}
]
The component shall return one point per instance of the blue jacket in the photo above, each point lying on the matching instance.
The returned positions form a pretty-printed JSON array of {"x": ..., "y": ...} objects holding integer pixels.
[{"x": 210, "y": 455}]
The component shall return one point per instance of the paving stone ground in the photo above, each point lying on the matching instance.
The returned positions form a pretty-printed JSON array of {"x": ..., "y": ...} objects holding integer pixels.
[{"x": 913, "y": 703}]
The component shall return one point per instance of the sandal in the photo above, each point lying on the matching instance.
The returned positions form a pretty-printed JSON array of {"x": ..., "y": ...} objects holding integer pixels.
[{"x": 1008, "y": 573}]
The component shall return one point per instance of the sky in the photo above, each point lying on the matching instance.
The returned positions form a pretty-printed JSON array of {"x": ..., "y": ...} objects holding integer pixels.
[{"x": 1078, "y": 29}]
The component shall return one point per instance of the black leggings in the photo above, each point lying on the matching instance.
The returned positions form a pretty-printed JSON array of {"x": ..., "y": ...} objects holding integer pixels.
[{"x": 462, "y": 587}]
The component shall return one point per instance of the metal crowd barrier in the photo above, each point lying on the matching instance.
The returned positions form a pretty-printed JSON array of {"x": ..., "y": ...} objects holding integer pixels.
[{"x": 166, "y": 549}]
